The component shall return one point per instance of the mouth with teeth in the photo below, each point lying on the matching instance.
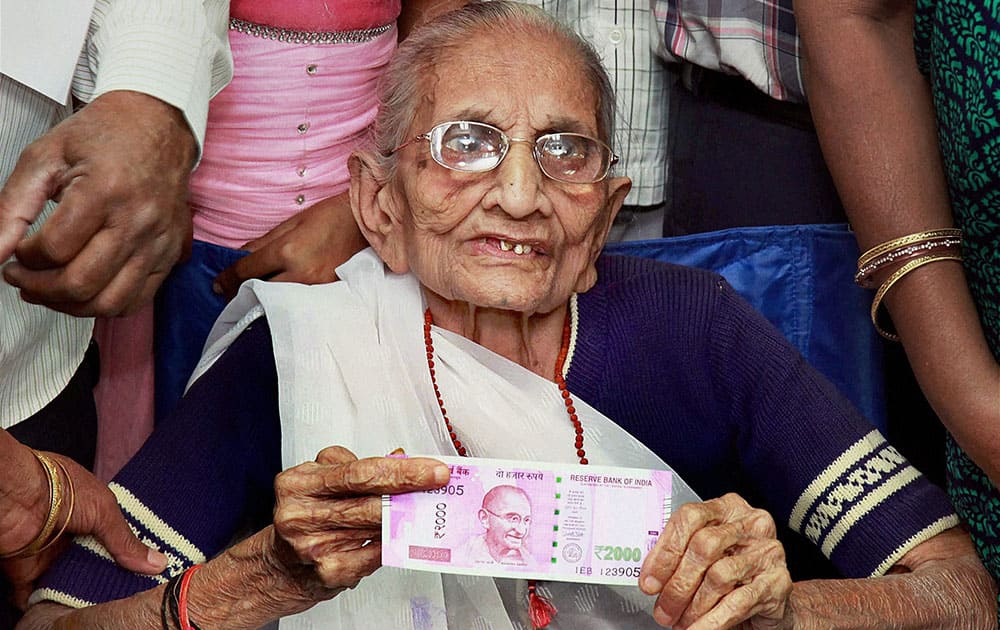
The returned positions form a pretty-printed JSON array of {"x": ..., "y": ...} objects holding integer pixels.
[
  {"x": 512, "y": 247},
  {"x": 517, "y": 248}
]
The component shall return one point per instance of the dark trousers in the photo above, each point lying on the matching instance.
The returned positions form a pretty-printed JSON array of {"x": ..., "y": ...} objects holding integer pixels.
[{"x": 733, "y": 168}]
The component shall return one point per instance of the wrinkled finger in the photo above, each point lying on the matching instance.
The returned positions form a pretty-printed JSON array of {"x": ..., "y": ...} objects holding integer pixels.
[
  {"x": 332, "y": 455},
  {"x": 260, "y": 264},
  {"x": 89, "y": 269},
  {"x": 732, "y": 572},
  {"x": 313, "y": 549},
  {"x": 22, "y": 198},
  {"x": 375, "y": 475},
  {"x": 662, "y": 560},
  {"x": 384, "y": 475},
  {"x": 345, "y": 570},
  {"x": 79, "y": 216},
  {"x": 314, "y": 517},
  {"x": 130, "y": 288},
  {"x": 765, "y": 596},
  {"x": 706, "y": 547}
]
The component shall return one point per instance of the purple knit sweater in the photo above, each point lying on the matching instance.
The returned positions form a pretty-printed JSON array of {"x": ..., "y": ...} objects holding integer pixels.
[{"x": 672, "y": 354}]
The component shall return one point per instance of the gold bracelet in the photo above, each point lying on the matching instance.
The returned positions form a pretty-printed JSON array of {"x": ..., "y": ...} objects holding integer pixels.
[
  {"x": 903, "y": 241},
  {"x": 894, "y": 278},
  {"x": 69, "y": 509},
  {"x": 55, "y": 503},
  {"x": 866, "y": 276}
]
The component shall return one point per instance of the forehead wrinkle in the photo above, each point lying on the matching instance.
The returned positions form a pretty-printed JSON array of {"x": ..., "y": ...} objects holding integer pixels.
[
  {"x": 548, "y": 124},
  {"x": 464, "y": 62}
]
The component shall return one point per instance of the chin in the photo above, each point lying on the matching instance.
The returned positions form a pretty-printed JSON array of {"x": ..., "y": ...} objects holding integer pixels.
[{"x": 502, "y": 297}]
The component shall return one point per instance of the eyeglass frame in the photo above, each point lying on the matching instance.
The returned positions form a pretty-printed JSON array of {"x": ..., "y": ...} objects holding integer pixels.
[
  {"x": 509, "y": 140},
  {"x": 506, "y": 519}
]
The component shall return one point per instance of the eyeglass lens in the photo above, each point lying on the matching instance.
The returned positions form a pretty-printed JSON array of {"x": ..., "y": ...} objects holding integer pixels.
[
  {"x": 478, "y": 147},
  {"x": 512, "y": 519}
]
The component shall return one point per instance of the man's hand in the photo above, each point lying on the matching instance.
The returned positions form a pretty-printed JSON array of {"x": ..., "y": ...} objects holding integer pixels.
[
  {"x": 304, "y": 248},
  {"x": 118, "y": 169}
]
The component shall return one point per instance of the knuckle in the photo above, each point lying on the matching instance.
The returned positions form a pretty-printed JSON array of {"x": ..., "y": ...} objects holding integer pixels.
[
  {"x": 734, "y": 501},
  {"x": 112, "y": 306},
  {"x": 288, "y": 520},
  {"x": 721, "y": 575},
  {"x": 762, "y": 520},
  {"x": 50, "y": 247},
  {"x": 37, "y": 152},
  {"x": 774, "y": 551},
  {"x": 707, "y": 544},
  {"x": 77, "y": 288},
  {"x": 359, "y": 476},
  {"x": 336, "y": 454},
  {"x": 289, "y": 250}
]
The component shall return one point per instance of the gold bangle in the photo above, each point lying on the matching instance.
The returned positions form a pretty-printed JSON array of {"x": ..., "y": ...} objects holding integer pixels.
[
  {"x": 867, "y": 272},
  {"x": 69, "y": 509},
  {"x": 55, "y": 503},
  {"x": 903, "y": 241},
  {"x": 894, "y": 278}
]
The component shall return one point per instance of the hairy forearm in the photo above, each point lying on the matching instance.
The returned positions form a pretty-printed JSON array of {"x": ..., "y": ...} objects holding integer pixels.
[
  {"x": 245, "y": 587},
  {"x": 875, "y": 118},
  {"x": 960, "y": 596}
]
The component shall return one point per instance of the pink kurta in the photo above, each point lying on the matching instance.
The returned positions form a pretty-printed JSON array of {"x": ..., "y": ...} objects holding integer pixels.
[
  {"x": 277, "y": 141},
  {"x": 280, "y": 134}
]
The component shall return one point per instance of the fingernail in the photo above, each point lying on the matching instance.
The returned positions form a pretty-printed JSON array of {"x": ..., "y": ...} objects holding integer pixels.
[
  {"x": 661, "y": 616},
  {"x": 216, "y": 288},
  {"x": 651, "y": 585},
  {"x": 441, "y": 474},
  {"x": 156, "y": 559}
]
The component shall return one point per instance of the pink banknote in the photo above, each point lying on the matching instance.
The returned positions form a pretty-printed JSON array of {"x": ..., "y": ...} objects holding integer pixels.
[{"x": 504, "y": 518}]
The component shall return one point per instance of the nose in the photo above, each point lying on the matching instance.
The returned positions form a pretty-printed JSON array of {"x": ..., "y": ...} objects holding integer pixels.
[
  {"x": 520, "y": 527},
  {"x": 518, "y": 182}
]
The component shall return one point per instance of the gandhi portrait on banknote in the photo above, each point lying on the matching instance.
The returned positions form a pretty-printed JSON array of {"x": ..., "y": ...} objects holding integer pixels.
[{"x": 505, "y": 517}]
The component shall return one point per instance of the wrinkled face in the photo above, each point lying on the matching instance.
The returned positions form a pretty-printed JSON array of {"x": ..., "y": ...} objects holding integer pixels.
[
  {"x": 510, "y": 238},
  {"x": 507, "y": 520}
]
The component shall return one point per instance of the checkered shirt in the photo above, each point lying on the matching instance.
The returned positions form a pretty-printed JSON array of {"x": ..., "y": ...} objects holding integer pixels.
[{"x": 756, "y": 39}]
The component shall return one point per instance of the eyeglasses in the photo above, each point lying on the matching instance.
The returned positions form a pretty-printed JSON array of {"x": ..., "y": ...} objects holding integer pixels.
[
  {"x": 475, "y": 147},
  {"x": 513, "y": 519}
]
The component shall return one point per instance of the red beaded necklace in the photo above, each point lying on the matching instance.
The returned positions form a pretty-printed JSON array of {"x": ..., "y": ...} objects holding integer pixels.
[{"x": 540, "y": 610}]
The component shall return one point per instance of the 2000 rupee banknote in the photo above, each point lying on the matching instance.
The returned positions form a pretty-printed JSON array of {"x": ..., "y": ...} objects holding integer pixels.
[{"x": 528, "y": 520}]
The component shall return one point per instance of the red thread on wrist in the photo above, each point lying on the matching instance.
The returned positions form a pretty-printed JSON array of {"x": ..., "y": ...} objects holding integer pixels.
[{"x": 182, "y": 598}]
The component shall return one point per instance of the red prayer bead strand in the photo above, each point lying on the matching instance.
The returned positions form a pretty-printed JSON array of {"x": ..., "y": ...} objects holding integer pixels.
[
  {"x": 540, "y": 610},
  {"x": 560, "y": 381}
]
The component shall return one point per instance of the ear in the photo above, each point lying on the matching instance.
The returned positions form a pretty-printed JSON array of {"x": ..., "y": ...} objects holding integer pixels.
[
  {"x": 618, "y": 188},
  {"x": 377, "y": 209}
]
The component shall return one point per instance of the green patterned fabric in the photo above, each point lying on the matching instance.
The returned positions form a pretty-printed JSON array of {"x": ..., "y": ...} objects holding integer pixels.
[{"x": 958, "y": 47}]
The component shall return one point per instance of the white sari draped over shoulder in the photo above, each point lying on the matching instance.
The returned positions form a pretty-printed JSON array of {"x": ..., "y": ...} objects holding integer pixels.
[{"x": 352, "y": 371}]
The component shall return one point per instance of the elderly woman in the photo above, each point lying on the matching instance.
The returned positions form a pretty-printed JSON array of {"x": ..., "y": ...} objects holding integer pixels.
[{"x": 484, "y": 323}]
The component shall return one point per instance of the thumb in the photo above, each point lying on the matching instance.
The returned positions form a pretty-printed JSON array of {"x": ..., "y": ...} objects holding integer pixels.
[
  {"x": 127, "y": 550},
  {"x": 22, "y": 199}
]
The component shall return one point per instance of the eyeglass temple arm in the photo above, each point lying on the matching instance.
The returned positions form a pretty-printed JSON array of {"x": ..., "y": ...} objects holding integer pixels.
[{"x": 418, "y": 138}]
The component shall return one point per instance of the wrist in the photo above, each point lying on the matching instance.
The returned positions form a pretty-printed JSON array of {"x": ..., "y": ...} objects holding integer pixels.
[
  {"x": 247, "y": 586},
  {"x": 24, "y": 495},
  {"x": 161, "y": 118}
]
